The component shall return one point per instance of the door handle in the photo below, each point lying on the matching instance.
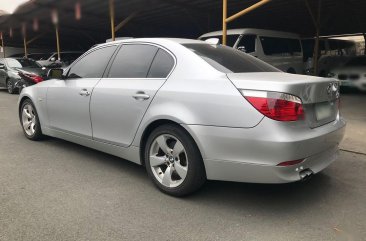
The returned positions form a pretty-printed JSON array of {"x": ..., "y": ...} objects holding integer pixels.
[
  {"x": 140, "y": 95},
  {"x": 84, "y": 92}
]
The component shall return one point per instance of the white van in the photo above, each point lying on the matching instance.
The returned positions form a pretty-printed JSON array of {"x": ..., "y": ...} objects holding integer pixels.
[{"x": 280, "y": 49}]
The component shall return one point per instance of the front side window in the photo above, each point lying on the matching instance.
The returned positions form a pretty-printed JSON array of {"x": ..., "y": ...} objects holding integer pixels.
[
  {"x": 247, "y": 43},
  {"x": 281, "y": 46},
  {"x": 22, "y": 63},
  {"x": 229, "y": 60},
  {"x": 93, "y": 64},
  {"x": 133, "y": 61},
  {"x": 162, "y": 65},
  {"x": 230, "y": 39}
]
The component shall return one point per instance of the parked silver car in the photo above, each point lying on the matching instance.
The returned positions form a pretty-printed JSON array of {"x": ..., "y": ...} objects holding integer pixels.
[{"x": 190, "y": 111}]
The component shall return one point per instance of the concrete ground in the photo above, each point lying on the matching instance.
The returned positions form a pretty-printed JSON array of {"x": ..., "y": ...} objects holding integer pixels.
[{"x": 55, "y": 190}]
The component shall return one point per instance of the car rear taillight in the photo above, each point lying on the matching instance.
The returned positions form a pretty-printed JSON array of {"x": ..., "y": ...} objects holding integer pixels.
[
  {"x": 33, "y": 77},
  {"x": 275, "y": 105}
]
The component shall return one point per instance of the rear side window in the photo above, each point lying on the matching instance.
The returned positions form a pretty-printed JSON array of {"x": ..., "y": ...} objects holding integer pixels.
[
  {"x": 162, "y": 65},
  {"x": 133, "y": 61},
  {"x": 93, "y": 64},
  {"x": 281, "y": 46},
  {"x": 229, "y": 60}
]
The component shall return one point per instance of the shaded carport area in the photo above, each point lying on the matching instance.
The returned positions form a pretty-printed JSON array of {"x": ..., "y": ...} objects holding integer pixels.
[
  {"x": 175, "y": 18},
  {"x": 56, "y": 190}
]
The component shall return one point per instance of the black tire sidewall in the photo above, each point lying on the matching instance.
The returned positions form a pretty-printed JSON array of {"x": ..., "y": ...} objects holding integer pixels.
[
  {"x": 195, "y": 175},
  {"x": 38, "y": 132},
  {"x": 11, "y": 82}
]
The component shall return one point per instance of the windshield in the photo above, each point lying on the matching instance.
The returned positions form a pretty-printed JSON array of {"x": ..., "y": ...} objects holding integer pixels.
[
  {"x": 360, "y": 61},
  {"x": 22, "y": 63},
  {"x": 229, "y": 60}
]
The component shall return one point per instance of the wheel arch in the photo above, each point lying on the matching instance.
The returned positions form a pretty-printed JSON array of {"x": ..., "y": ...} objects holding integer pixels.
[
  {"x": 21, "y": 100},
  {"x": 159, "y": 122}
]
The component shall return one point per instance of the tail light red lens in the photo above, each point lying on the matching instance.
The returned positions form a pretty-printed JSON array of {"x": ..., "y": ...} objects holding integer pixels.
[
  {"x": 35, "y": 78},
  {"x": 289, "y": 163},
  {"x": 274, "y": 105}
]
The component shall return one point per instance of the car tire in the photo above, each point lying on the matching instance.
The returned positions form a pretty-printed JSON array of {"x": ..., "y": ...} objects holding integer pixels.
[
  {"x": 29, "y": 121},
  {"x": 173, "y": 161},
  {"x": 10, "y": 86}
]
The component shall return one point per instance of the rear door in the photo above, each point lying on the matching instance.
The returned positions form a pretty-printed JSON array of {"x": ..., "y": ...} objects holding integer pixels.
[
  {"x": 122, "y": 97},
  {"x": 68, "y": 100}
]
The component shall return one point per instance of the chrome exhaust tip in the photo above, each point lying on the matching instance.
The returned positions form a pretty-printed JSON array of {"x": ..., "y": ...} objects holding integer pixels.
[{"x": 306, "y": 174}]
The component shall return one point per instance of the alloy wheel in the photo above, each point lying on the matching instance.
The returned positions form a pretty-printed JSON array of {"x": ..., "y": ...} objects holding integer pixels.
[
  {"x": 10, "y": 86},
  {"x": 168, "y": 160},
  {"x": 29, "y": 120}
]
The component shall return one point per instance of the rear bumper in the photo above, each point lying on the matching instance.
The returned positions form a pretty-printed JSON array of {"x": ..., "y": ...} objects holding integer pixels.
[
  {"x": 252, "y": 155},
  {"x": 255, "y": 173}
]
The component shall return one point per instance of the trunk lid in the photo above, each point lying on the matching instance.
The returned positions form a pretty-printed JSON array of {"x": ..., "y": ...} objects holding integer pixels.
[
  {"x": 319, "y": 96},
  {"x": 38, "y": 71}
]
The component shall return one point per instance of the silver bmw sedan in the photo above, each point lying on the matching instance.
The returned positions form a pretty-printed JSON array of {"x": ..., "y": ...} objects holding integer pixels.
[{"x": 189, "y": 111}]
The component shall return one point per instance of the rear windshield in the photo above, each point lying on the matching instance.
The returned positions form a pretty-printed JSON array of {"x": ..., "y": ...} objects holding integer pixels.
[
  {"x": 229, "y": 60},
  {"x": 39, "y": 56}
]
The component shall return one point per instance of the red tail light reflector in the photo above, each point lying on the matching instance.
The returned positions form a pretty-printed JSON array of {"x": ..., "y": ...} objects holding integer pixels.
[
  {"x": 35, "y": 78},
  {"x": 289, "y": 163},
  {"x": 275, "y": 105}
]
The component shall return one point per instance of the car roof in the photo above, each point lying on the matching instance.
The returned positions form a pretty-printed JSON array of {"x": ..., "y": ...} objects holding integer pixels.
[
  {"x": 159, "y": 41},
  {"x": 239, "y": 31}
]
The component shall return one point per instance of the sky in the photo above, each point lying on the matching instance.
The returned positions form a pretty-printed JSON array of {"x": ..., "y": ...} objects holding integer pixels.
[{"x": 10, "y": 5}]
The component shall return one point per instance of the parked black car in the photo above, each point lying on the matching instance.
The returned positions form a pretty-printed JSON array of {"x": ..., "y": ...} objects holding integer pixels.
[{"x": 17, "y": 73}]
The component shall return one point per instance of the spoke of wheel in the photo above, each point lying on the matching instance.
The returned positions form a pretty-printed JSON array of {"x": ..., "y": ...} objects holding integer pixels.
[
  {"x": 32, "y": 127},
  {"x": 178, "y": 148},
  {"x": 25, "y": 113},
  {"x": 161, "y": 140},
  {"x": 167, "y": 179},
  {"x": 27, "y": 124},
  {"x": 30, "y": 110},
  {"x": 157, "y": 160},
  {"x": 181, "y": 170}
]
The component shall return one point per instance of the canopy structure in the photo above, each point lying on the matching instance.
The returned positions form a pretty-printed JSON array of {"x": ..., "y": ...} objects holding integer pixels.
[{"x": 171, "y": 18}]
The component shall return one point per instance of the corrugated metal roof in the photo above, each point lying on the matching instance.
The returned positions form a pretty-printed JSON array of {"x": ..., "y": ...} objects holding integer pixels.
[{"x": 177, "y": 18}]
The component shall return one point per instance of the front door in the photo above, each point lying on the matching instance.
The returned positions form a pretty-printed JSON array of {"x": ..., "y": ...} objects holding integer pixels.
[
  {"x": 121, "y": 99},
  {"x": 68, "y": 100}
]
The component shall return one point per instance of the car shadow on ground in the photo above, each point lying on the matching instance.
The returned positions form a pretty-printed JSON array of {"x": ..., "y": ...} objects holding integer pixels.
[{"x": 291, "y": 196}]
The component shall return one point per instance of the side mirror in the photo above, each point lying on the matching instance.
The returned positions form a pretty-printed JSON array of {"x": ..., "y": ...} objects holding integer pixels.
[
  {"x": 55, "y": 74},
  {"x": 2, "y": 66},
  {"x": 242, "y": 48},
  {"x": 53, "y": 59}
]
